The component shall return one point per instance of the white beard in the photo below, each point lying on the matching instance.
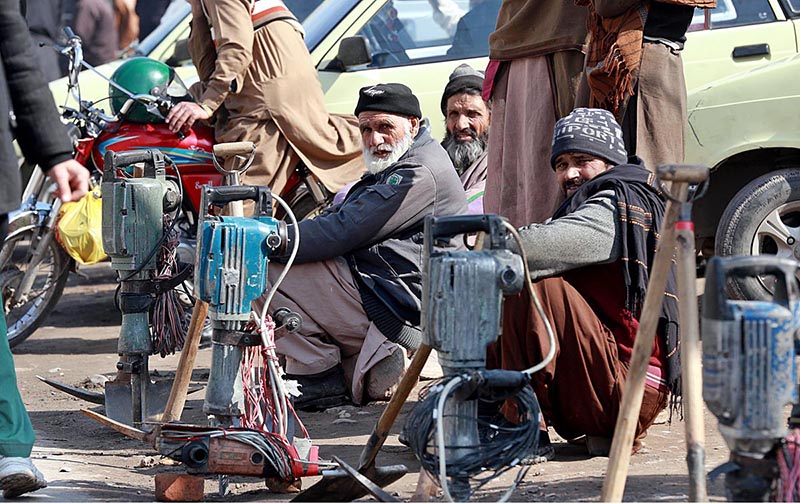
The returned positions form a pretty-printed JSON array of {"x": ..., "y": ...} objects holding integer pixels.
[{"x": 375, "y": 164}]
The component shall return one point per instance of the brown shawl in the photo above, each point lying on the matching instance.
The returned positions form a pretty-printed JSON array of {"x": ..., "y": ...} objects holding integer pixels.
[{"x": 615, "y": 52}]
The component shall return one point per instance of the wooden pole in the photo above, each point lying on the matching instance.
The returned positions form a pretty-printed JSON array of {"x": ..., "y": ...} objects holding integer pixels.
[
  {"x": 691, "y": 366},
  {"x": 389, "y": 415},
  {"x": 633, "y": 392},
  {"x": 183, "y": 374}
]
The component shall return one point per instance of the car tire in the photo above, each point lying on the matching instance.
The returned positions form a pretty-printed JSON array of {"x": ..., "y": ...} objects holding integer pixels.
[{"x": 762, "y": 218}]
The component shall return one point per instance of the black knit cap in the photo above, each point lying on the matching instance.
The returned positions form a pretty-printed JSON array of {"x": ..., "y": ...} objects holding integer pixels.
[
  {"x": 591, "y": 131},
  {"x": 464, "y": 77},
  {"x": 393, "y": 98}
]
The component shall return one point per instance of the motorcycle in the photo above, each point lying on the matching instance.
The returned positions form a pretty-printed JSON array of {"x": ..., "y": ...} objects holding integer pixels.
[{"x": 34, "y": 267}]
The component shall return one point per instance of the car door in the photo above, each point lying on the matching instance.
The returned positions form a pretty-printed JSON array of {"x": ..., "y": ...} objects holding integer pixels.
[
  {"x": 736, "y": 36},
  {"x": 411, "y": 43},
  {"x": 792, "y": 10}
]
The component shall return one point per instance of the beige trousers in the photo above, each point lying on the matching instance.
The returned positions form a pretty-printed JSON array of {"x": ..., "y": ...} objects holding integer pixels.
[
  {"x": 529, "y": 96},
  {"x": 335, "y": 327},
  {"x": 655, "y": 121}
]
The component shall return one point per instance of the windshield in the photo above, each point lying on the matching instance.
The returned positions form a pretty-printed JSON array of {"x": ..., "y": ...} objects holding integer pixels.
[
  {"x": 317, "y": 16},
  {"x": 176, "y": 12},
  {"x": 327, "y": 15}
]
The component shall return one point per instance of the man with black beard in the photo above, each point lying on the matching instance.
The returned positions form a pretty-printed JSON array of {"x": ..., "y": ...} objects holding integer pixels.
[
  {"x": 467, "y": 119},
  {"x": 357, "y": 280}
]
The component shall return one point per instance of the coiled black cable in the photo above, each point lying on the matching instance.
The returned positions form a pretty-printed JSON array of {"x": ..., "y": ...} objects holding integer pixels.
[{"x": 503, "y": 444}]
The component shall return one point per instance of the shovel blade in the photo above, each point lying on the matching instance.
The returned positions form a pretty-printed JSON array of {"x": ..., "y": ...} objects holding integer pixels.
[
  {"x": 119, "y": 401},
  {"x": 338, "y": 486}
]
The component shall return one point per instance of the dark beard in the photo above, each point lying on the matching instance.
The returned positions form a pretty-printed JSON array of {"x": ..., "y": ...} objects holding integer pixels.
[{"x": 463, "y": 154}]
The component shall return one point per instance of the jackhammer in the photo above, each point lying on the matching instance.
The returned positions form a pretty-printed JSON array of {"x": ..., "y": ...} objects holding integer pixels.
[
  {"x": 750, "y": 372},
  {"x": 232, "y": 256},
  {"x": 253, "y": 430},
  {"x": 133, "y": 232},
  {"x": 252, "y": 425},
  {"x": 462, "y": 307}
]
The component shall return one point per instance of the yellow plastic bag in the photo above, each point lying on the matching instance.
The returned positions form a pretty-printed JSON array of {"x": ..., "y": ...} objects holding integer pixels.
[{"x": 80, "y": 228}]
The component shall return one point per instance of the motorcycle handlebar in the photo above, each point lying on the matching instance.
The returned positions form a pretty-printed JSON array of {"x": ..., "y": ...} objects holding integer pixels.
[
  {"x": 74, "y": 51},
  {"x": 139, "y": 98}
]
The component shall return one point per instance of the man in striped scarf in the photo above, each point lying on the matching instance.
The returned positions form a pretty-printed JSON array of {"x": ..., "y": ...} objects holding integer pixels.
[{"x": 590, "y": 267}]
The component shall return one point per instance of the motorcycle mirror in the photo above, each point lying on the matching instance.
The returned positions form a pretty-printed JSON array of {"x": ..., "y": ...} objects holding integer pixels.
[{"x": 76, "y": 55}]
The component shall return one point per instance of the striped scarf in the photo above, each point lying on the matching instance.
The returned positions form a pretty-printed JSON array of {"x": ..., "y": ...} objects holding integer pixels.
[
  {"x": 640, "y": 210},
  {"x": 615, "y": 52}
]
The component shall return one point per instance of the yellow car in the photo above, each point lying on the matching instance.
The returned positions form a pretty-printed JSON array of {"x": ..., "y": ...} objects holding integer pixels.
[
  {"x": 741, "y": 113},
  {"x": 353, "y": 43},
  {"x": 745, "y": 127}
]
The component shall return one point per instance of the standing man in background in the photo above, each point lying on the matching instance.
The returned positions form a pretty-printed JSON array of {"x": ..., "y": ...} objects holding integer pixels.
[
  {"x": 150, "y": 12},
  {"x": 45, "y": 20},
  {"x": 95, "y": 25},
  {"x": 43, "y": 139},
  {"x": 634, "y": 70},
  {"x": 126, "y": 21},
  {"x": 535, "y": 62}
]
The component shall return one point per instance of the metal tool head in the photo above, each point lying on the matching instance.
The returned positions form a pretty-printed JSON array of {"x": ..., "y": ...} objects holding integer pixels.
[
  {"x": 340, "y": 486},
  {"x": 119, "y": 404},
  {"x": 123, "y": 429}
]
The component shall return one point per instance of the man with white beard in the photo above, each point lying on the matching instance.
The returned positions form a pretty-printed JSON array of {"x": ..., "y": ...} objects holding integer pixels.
[
  {"x": 357, "y": 280},
  {"x": 467, "y": 119}
]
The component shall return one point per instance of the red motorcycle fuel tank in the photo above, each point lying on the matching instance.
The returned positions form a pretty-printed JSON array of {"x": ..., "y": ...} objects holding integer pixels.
[{"x": 192, "y": 154}]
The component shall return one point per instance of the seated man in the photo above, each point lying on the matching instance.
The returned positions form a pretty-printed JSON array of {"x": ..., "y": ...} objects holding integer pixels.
[
  {"x": 467, "y": 119},
  {"x": 590, "y": 267},
  {"x": 357, "y": 277}
]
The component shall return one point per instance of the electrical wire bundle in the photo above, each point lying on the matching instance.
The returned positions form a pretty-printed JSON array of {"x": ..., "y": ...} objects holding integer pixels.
[
  {"x": 272, "y": 446},
  {"x": 788, "y": 457},
  {"x": 266, "y": 405},
  {"x": 501, "y": 447},
  {"x": 169, "y": 319}
]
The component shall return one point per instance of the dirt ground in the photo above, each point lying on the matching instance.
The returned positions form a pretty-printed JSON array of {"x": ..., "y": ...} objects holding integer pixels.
[{"x": 85, "y": 461}]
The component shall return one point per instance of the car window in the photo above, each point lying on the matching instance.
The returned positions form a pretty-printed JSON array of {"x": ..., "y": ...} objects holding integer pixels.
[
  {"x": 794, "y": 6},
  {"x": 317, "y": 17},
  {"x": 729, "y": 13},
  {"x": 407, "y": 32}
]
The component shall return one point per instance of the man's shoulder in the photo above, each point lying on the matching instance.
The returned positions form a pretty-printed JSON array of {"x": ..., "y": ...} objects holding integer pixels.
[{"x": 427, "y": 153}]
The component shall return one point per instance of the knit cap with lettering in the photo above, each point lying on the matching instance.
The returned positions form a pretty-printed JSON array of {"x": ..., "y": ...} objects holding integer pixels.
[{"x": 591, "y": 131}]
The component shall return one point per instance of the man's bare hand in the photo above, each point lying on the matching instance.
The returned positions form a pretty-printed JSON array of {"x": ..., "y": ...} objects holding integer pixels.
[
  {"x": 71, "y": 178},
  {"x": 185, "y": 113}
]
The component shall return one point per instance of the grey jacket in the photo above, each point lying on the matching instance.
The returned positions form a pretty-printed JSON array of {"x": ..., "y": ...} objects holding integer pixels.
[
  {"x": 378, "y": 227},
  {"x": 589, "y": 235}
]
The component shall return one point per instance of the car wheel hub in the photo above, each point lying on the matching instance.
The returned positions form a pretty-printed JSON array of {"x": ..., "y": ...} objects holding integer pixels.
[{"x": 778, "y": 235}]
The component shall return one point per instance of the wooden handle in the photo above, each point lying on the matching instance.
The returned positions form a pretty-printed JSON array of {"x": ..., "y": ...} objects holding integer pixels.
[
  {"x": 389, "y": 415},
  {"x": 691, "y": 174},
  {"x": 691, "y": 367},
  {"x": 633, "y": 392},
  {"x": 225, "y": 150},
  {"x": 183, "y": 375},
  {"x": 427, "y": 487}
]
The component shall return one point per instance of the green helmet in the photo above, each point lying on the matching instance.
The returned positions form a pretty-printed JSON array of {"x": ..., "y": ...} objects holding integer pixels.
[{"x": 138, "y": 76}]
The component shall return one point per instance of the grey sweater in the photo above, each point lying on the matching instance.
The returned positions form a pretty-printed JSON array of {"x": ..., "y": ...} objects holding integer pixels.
[{"x": 589, "y": 235}]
